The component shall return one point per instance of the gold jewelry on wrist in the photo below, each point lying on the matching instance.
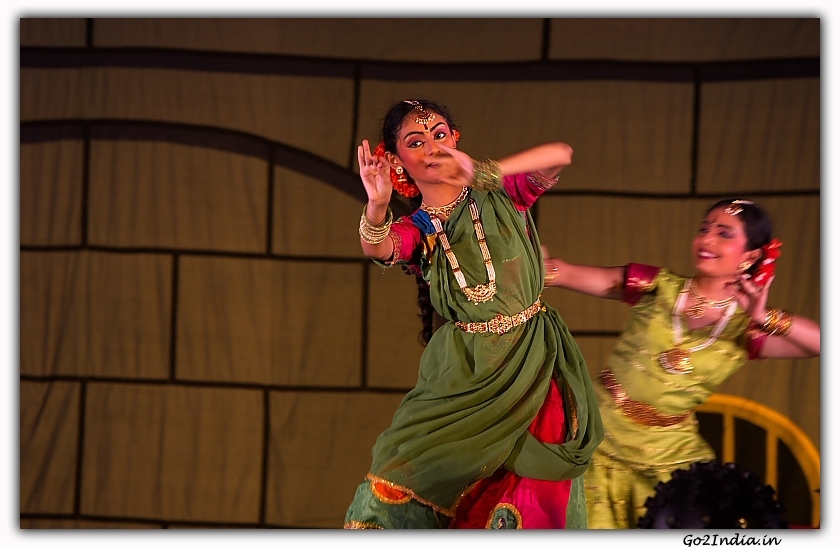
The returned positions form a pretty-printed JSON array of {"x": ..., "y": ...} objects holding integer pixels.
[
  {"x": 777, "y": 322},
  {"x": 487, "y": 175},
  {"x": 375, "y": 233},
  {"x": 551, "y": 274}
]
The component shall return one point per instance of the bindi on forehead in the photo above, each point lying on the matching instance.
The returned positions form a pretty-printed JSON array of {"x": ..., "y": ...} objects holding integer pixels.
[{"x": 410, "y": 127}]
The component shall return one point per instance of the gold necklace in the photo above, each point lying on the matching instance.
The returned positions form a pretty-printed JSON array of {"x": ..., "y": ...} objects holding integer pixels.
[
  {"x": 482, "y": 292},
  {"x": 677, "y": 360},
  {"x": 701, "y": 302},
  {"x": 446, "y": 210}
]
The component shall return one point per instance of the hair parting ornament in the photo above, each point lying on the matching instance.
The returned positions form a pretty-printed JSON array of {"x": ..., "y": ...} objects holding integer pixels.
[
  {"x": 735, "y": 207},
  {"x": 423, "y": 118}
]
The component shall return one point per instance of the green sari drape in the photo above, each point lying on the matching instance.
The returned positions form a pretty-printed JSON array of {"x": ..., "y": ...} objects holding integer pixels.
[{"x": 477, "y": 394}]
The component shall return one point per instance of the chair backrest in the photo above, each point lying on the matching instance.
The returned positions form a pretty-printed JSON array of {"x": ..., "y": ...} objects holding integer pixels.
[{"x": 778, "y": 427}]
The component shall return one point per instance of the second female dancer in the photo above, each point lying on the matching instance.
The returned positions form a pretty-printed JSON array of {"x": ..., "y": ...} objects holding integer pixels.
[{"x": 685, "y": 336}]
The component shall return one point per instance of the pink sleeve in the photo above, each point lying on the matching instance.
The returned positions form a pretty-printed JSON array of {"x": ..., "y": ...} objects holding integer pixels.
[
  {"x": 525, "y": 188},
  {"x": 406, "y": 237},
  {"x": 755, "y": 341},
  {"x": 638, "y": 279}
]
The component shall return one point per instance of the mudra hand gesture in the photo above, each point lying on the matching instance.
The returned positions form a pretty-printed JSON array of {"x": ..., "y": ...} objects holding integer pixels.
[
  {"x": 375, "y": 174},
  {"x": 456, "y": 167},
  {"x": 752, "y": 297}
]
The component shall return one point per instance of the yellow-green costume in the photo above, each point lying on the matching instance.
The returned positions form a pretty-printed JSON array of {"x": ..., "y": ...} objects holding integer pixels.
[
  {"x": 477, "y": 393},
  {"x": 634, "y": 456}
]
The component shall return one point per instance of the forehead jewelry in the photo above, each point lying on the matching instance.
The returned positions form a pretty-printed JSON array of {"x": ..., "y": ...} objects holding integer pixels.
[
  {"x": 735, "y": 207},
  {"x": 424, "y": 118}
]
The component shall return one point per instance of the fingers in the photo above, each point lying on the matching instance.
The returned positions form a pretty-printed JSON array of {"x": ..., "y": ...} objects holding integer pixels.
[
  {"x": 382, "y": 165},
  {"x": 361, "y": 154},
  {"x": 463, "y": 159},
  {"x": 740, "y": 289},
  {"x": 365, "y": 158},
  {"x": 366, "y": 148}
]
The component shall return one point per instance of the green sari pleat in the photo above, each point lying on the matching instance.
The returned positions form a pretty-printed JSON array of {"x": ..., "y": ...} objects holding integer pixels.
[{"x": 477, "y": 394}]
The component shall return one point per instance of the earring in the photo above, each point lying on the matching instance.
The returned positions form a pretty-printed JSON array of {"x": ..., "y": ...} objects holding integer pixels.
[
  {"x": 744, "y": 266},
  {"x": 401, "y": 174}
]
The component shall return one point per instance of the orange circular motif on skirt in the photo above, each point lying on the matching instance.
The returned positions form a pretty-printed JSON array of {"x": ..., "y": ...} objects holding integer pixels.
[{"x": 388, "y": 494}]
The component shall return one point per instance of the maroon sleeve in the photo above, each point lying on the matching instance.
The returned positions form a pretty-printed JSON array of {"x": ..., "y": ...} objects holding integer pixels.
[
  {"x": 406, "y": 238},
  {"x": 638, "y": 279},
  {"x": 525, "y": 188},
  {"x": 755, "y": 338}
]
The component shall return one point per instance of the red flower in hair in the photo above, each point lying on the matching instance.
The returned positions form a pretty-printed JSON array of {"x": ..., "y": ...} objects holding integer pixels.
[
  {"x": 769, "y": 254},
  {"x": 405, "y": 186}
]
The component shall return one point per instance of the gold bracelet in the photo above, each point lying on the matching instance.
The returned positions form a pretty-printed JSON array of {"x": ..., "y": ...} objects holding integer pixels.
[
  {"x": 550, "y": 275},
  {"x": 375, "y": 234},
  {"x": 777, "y": 322},
  {"x": 487, "y": 175}
]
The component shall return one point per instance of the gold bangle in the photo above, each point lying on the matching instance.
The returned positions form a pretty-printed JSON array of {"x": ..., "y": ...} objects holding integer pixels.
[
  {"x": 777, "y": 322},
  {"x": 487, "y": 175},
  {"x": 375, "y": 234},
  {"x": 550, "y": 275}
]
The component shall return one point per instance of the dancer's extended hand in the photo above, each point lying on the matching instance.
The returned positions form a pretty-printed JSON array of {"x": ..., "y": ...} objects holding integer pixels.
[
  {"x": 752, "y": 297},
  {"x": 375, "y": 174},
  {"x": 454, "y": 167}
]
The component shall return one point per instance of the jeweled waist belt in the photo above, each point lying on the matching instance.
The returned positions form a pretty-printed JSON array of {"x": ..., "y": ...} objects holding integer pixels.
[
  {"x": 502, "y": 323},
  {"x": 639, "y": 412}
]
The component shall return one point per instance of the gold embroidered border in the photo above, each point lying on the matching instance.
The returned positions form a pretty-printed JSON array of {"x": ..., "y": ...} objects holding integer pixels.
[
  {"x": 356, "y": 525},
  {"x": 381, "y": 497},
  {"x": 510, "y": 507},
  {"x": 639, "y": 412},
  {"x": 447, "y": 512},
  {"x": 397, "y": 241}
]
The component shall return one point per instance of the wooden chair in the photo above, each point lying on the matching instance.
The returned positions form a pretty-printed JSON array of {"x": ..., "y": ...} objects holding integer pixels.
[{"x": 778, "y": 427}]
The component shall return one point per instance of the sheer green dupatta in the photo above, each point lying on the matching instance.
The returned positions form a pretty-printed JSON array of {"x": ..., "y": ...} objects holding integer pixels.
[
  {"x": 530, "y": 457},
  {"x": 477, "y": 394}
]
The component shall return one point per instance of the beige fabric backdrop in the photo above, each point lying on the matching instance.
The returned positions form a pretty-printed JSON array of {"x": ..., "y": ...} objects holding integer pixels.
[{"x": 202, "y": 342}]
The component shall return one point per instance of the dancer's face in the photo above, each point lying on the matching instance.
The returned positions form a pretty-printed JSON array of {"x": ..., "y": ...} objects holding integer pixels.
[
  {"x": 720, "y": 246},
  {"x": 418, "y": 149}
]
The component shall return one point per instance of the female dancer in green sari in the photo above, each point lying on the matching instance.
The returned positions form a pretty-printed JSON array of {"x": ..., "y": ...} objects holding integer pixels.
[
  {"x": 685, "y": 337},
  {"x": 502, "y": 423}
]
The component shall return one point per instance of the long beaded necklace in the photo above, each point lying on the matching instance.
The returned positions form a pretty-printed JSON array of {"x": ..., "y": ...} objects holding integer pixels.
[
  {"x": 677, "y": 360},
  {"x": 482, "y": 292},
  {"x": 701, "y": 302}
]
